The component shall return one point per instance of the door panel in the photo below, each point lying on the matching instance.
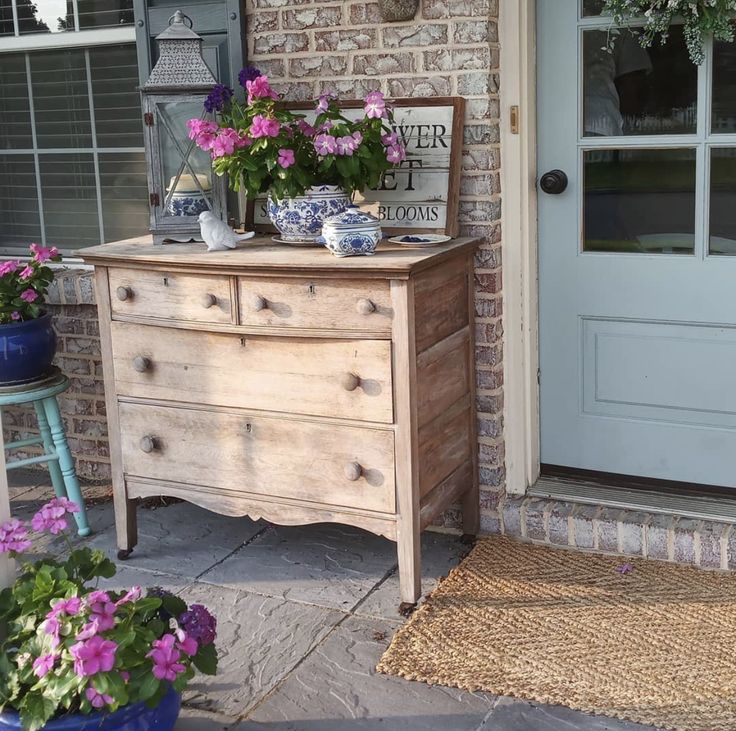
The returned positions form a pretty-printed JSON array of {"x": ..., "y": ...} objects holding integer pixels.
[{"x": 637, "y": 302}]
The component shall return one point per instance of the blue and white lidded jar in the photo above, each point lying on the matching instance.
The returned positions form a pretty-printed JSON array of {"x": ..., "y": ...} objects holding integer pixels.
[{"x": 352, "y": 233}]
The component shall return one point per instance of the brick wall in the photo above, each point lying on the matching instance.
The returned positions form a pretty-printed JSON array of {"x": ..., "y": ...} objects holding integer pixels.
[
  {"x": 71, "y": 300},
  {"x": 450, "y": 48}
]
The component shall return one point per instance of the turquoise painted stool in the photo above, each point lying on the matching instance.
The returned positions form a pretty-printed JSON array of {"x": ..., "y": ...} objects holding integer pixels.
[{"x": 42, "y": 394}]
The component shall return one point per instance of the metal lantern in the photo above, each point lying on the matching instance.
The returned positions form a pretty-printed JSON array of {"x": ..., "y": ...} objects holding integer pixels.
[{"x": 181, "y": 182}]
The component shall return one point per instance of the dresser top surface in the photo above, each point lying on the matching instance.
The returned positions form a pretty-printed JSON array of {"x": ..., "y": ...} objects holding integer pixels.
[{"x": 261, "y": 253}]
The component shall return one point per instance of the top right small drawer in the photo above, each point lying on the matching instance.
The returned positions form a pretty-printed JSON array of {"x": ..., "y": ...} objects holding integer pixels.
[{"x": 318, "y": 304}]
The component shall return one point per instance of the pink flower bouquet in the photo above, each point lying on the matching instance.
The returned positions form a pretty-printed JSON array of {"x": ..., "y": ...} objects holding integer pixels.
[
  {"x": 67, "y": 647},
  {"x": 267, "y": 149},
  {"x": 23, "y": 284}
]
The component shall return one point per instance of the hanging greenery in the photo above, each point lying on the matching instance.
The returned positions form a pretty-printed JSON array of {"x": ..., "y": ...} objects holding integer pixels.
[{"x": 701, "y": 18}]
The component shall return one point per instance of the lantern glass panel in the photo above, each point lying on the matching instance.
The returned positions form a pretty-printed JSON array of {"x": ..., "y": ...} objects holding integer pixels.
[{"x": 186, "y": 169}]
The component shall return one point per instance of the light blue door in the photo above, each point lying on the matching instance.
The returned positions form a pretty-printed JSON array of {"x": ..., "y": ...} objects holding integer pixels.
[{"x": 637, "y": 256}]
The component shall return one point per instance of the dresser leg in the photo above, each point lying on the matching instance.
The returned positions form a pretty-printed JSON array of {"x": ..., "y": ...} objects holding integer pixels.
[
  {"x": 410, "y": 566},
  {"x": 126, "y": 526}
]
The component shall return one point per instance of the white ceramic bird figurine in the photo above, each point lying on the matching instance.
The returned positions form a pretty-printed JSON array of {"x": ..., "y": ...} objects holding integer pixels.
[{"x": 217, "y": 234}]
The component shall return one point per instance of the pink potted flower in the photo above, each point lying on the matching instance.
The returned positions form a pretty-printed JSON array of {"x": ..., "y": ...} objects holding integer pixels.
[
  {"x": 27, "y": 338},
  {"x": 309, "y": 169},
  {"x": 74, "y": 657}
]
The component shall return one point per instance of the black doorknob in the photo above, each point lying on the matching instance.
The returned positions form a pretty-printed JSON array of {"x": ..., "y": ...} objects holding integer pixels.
[{"x": 553, "y": 182}]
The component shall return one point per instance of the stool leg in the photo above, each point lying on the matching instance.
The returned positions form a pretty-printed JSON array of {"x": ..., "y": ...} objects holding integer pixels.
[
  {"x": 66, "y": 463},
  {"x": 57, "y": 479}
]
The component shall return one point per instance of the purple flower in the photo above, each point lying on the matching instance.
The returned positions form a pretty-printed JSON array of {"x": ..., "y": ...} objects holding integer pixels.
[
  {"x": 89, "y": 630},
  {"x": 305, "y": 128},
  {"x": 96, "y": 699},
  {"x": 165, "y": 656},
  {"x": 218, "y": 98},
  {"x": 323, "y": 103},
  {"x": 358, "y": 138},
  {"x": 44, "y": 664},
  {"x": 375, "y": 105},
  {"x": 325, "y": 144},
  {"x": 15, "y": 315},
  {"x": 199, "y": 624},
  {"x": 51, "y": 516},
  {"x": 93, "y": 656},
  {"x": 625, "y": 568},
  {"x": 249, "y": 73},
  {"x": 29, "y": 295},
  {"x": 133, "y": 595},
  {"x": 395, "y": 154},
  {"x": 14, "y": 537},
  {"x": 345, "y": 145},
  {"x": 286, "y": 157},
  {"x": 8, "y": 267},
  {"x": 390, "y": 139}
]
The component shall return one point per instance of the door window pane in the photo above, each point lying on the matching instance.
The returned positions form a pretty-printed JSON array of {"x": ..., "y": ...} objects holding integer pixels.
[
  {"x": 45, "y": 16},
  {"x": 639, "y": 201},
  {"x": 61, "y": 98},
  {"x": 724, "y": 88},
  {"x": 15, "y": 114},
  {"x": 105, "y": 13},
  {"x": 722, "y": 199},
  {"x": 18, "y": 201},
  {"x": 630, "y": 90}
]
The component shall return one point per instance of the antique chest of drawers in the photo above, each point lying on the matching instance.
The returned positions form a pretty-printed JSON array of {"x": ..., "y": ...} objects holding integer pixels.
[{"x": 284, "y": 383}]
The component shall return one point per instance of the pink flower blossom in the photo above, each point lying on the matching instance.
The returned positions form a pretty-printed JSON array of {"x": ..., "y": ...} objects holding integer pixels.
[
  {"x": 51, "y": 516},
  {"x": 52, "y": 627},
  {"x": 264, "y": 127},
  {"x": 324, "y": 102},
  {"x": 27, "y": 272},
  {"x": 345, "y": 145},
  {"x": 325, "y": 145},
  {"x": 43, "y": 254},
  {"x": 202, "y": 132},
  {"x": 15, "y": 315},
  {"x": 8, "y": 267},
  {"x": 14, "y": 537},
  {"x": 286, "y": 157},
  {"x": 89, "y": 630},
  {"x": 390, "y": 139},
  {"x": 96, "y": 699},
  {"x": 165, "y": 656},
  {"x": 358, "y": 138},
  {"x": 305, "y": 128},
  {"x": 259, "y": 88},
  {"x": 125, "y": 675},
  {"x": 29, "y": 295},
  {"x": 133, "y": 595},
  {"x": 395, "y": 154},
  {"x": 104, "y": 616},
  {"x": 227, "y": 141},
  {"x": 186, "y": 644},
  {"x": 375, "y": 105},
  {"x": 44, "y": 664},
  {"x": 70, "y": 607},
  {"x": 93, "y": 656}
]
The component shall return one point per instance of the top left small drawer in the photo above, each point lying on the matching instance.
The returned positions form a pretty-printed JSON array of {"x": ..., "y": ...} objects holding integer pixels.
[{"x": 170, "y": 296}]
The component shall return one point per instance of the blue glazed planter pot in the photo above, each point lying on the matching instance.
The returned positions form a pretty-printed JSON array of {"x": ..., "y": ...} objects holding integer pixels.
[
  {"x": 26, "y": 350},
  {"x": 137, "y": 717},
  {"x": 299, "y": 220}
]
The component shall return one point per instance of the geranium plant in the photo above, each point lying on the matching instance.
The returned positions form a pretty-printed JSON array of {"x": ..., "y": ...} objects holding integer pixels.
[
  {"x": 266, "y": 148},
  {"x": 24, "y": 284},
  {"x": 700, "y": 18},
  {"x": 68, "y": 647}
]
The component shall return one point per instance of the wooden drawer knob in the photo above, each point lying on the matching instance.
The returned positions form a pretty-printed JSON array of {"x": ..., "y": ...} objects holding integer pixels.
[
  {"x": 141, "y": 364},
  {"x": 148, "y": 444},
  {"x": 258, "y": 303},
  {"x": 353, "y": 471},
  {"x": 124, "y": 293},
  {"x": 208, "y": 300},
  {"x": 365, "y": 306},
  {"x": 350, "y": 381}
]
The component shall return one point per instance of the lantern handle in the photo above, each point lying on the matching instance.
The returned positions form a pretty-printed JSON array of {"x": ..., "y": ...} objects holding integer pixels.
[{"x": 179, "y": 17}]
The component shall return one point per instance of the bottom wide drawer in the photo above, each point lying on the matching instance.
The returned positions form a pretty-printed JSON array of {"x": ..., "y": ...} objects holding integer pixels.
[{"x": 326, "y": 463}]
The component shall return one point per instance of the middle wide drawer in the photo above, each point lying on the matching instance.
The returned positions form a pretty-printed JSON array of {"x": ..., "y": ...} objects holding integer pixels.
[{"x": 346, "y": 379}]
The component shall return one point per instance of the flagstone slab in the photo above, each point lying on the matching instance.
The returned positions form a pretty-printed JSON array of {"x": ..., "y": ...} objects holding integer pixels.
[
  {"x": 440, "y": 554},
  {"x": 181, "y": 539},
  {"x": 337, "y": 688},
  {"x": 514, "y": 715},
  {"x": 260, "y": 640},
  {"x": 327, "y": 564}
]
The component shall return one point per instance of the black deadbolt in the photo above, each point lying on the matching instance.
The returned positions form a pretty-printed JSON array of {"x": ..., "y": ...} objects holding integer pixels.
[{"x": 554, "y": 182}]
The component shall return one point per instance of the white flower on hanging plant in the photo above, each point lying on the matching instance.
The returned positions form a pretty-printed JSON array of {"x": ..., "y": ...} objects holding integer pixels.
[{"x": 700, "y": 19}]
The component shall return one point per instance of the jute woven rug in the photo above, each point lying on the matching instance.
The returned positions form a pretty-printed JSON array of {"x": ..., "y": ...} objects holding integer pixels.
[{"x": 655, "y": 644}]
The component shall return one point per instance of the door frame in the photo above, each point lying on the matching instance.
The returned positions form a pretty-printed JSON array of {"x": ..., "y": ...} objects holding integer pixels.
[{"x": 517, "y": 36}]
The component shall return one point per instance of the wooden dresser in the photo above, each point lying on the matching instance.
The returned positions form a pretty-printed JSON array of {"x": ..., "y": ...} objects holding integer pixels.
[{"x": 285, "y": 383}]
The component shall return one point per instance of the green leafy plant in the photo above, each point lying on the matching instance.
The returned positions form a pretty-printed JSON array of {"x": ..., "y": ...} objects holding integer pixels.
[
  {"x": 263, "y": 147},
  {"x": 24, "y": 284},
  {"x": 68, "y": 647},
  {"x": 700, "y": 18}
]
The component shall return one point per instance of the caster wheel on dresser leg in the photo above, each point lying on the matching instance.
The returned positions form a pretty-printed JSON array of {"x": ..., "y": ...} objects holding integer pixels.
[
  {"x": 406, "y": 609},
  {"x": 124, "y": 554}
]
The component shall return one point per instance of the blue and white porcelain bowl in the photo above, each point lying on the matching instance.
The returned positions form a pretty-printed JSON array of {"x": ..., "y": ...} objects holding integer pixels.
[
  {"x": 187, "y": 199},
  {"x": 299, "y": 220},
  {"x": 352, "y": 233}
]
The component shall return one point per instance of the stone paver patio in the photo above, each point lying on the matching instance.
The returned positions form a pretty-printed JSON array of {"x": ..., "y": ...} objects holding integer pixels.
[{"x": 304, "y": 614}]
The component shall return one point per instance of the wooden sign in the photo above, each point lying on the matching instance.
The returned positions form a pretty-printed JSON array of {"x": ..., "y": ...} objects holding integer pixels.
[{"x": 422, "y": 194}]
